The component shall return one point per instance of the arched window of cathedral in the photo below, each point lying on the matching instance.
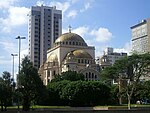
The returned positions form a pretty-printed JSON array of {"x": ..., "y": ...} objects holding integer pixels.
[
  {"x": 69, "y": 43},
  {"x": 66, "y": 43},
  {"x": 68, "y": 66},
  {"x": 48, "y": 73},
  {"x": 82, "y": 61},
  {"x": 95, "y": 76},
  {"x": 78, "y": 60},
  {"x": 89, "y": 74},
  {"x": 79, "y": 43},
  {"x": 73, "y": 43},
  {"x": 92, "y": 75},
  {"x": 85, "y": 61},
  {"x": 63, "y": 42},
  {"x": 54, "y": 63},
  {"x": 86, "y": 75},
  {"x": 54, "y": 72},
  {"x": 76, "y": 43},
  {"x": 48, "y": 80}
]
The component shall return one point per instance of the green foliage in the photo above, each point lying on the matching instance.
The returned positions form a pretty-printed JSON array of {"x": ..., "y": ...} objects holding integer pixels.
[
  {"x": 79, "y": 93},
  {"x": 30, "y": 85},
  {"x": 83, "y": 93},
  {"x": 142, "y": 91},
  {"x": 55, "y": 90},
  {"x": 109, "y": 73},
  {"x": 69, "y": 75},
  {"x": 5, "y": 90},
  {"x": 114, "y": 94},
  {"x": 130, "y": 69}
]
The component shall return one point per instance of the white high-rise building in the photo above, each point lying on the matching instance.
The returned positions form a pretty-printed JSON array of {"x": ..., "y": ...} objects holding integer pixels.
[
  {"x": 45, "y": 26},
  {"x": 141, "y": 37}
]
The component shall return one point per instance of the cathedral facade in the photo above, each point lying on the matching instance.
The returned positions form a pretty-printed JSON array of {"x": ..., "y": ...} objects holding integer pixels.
[{"x": 70, "y": 52}]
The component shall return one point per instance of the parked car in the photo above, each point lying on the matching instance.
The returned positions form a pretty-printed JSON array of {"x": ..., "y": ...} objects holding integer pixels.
[{"x": 145, "y": 101}]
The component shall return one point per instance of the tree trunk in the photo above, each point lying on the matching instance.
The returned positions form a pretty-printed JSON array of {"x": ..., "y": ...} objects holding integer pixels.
[
  {"x": 129, "y": 102},
  {"x": 2, "y": 107},
  {"x": 26, "y": 104}
]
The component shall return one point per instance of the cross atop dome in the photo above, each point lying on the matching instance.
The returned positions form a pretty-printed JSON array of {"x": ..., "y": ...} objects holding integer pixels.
[{"x": 69, "y": 28}]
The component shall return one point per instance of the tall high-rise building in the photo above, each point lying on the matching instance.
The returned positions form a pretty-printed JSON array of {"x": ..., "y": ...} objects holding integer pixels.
[
  {"x": 45, "y": 26},
  {"x": 141, "y": 37}
]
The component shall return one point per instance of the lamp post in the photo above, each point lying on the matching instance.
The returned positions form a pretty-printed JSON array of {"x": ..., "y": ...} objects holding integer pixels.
[
  {"x": 13, "y": 55},
  {"x": 19, "y": 38}
]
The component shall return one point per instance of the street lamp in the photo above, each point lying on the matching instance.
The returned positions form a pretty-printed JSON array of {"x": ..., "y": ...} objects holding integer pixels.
[
  {"x": 19, "y": 38},
  {"x": 13, "y": 55}
]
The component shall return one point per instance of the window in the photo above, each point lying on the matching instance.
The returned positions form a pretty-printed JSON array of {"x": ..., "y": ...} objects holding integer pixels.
[
  {"x": 89, "y": 74},
  {"x": 54, "y": 72},
  {"x": 82, "y": 61},
  {"x": 95, "y": 76},
  {"x": 78, "y": 60},
  {"x": 86, "y": 75},
  {"x": 92, "y": 75}
]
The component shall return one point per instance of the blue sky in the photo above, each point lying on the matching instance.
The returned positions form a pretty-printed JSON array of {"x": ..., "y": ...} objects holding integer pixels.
[{"x": 101, "y": 23}]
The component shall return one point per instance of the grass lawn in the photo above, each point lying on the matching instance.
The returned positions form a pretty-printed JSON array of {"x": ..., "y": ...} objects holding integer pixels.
[
  {"x": 66, "y": 107},
  {"x": 38, "y": 106}
]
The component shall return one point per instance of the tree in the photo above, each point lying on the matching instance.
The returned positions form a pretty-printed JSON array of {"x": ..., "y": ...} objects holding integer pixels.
[
  {"x": 69, "y": 75},
  {"x": 130, "y": 69},
  {"x": 55, "y": 91},
  {"x": 109, "y": 73},
  {"x": 86, "y": 93},
  {"x": 5, "y": 90},
  {"x": 29, "y": 84}
]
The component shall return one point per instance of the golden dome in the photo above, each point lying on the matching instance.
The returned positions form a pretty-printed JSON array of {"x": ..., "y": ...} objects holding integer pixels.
[
  {"x": 70, "y": 37},
  {"x": 52, "y": 57},
  {"x": 81, "y": 54}
]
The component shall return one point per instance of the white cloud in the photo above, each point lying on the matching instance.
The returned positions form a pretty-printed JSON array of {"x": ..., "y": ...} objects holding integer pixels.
[
  {"x": 72, "y": 13},
  {"x": 3, "y": 60},
  {"x": 86, "y": 7},
  {"x": 73, "y": 1},
  {"x": 102, "y": 34},
  {"x": 125, "y": 49},
  {"x": 17, "y": 16},
  {"x": 23, "y": 53},
  {"x": 8, "y": 46},
  {"x": 61, "y": 6},
  {"x": 7, "y": 3},
  {"x": 81, "y": 30},
  {"x": 40, "y": 2}
]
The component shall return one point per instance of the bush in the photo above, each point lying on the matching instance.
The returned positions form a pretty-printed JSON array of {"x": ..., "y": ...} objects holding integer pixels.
[{"x": 83, "y": 93}]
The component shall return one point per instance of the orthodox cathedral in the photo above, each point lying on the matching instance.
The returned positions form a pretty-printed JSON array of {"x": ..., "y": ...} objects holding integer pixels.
[{"x": 70, "y": 52}]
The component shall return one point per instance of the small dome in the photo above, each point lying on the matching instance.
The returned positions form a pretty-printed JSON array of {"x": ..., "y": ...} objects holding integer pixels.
[
  {"x": 52, "y": 57},
  {"x": 81, "y": 54},
  {"x": 71, "y": 37}
]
